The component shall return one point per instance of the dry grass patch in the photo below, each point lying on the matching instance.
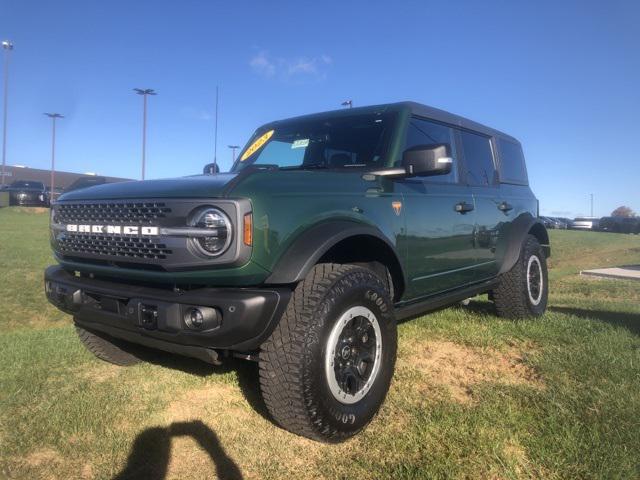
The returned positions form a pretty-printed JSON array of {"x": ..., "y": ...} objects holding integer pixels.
[
  {"x": 32, "y": 210},
  {"x": 458, "y": 368},
  {"x": 43, "y": 457},
  {"x": 101, "y": 372}
]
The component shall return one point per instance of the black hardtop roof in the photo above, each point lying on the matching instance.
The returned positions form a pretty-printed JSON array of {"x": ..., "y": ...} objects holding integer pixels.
[{"x": 414, "y": 107}]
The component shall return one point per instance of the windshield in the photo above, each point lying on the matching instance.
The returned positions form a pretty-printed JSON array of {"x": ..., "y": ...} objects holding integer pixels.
[
  {"x": 21, "y": 184},
  {"x": 352, "y": 141}
]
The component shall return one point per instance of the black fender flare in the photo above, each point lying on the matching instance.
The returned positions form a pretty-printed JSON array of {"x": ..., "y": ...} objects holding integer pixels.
[
  {"x": 516, "y": 234},
  {"x": 310, "y": 246}
]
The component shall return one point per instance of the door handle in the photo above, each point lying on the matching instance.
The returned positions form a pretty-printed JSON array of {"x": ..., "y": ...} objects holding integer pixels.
[
  {"x": 505, "y": 207},
  {"x": 463, "y": 207}
]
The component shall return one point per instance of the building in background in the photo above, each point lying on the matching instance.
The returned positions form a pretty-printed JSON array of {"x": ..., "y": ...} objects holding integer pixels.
[{"x": 63, "y": 179}]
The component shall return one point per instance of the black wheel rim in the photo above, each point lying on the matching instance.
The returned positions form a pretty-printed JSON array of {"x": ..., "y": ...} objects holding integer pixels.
[{"x": 353, "y": 354}]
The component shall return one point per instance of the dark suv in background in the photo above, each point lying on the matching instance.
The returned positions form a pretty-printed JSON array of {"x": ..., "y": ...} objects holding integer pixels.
[
  {"x": 620, "y": 224},
  {"x": 28, "y": 193}
]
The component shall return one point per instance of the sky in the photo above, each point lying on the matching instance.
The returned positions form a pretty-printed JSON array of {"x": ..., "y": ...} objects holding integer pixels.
[{"x": 562, "y": 77}]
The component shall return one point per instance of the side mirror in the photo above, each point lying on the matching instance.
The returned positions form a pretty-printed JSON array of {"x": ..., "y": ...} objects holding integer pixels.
[
  {"x": 428, "y": 160},
  {"x": 211, "y": 169}
]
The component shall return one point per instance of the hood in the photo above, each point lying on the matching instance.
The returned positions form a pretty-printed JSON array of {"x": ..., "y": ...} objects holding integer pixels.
[{"x": 199, "y": 186}]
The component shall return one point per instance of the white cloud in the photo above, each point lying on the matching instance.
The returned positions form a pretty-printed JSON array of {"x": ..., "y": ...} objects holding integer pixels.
[
  {"x": 262, "y": 65},
  {"x": 314, "y": 68}
]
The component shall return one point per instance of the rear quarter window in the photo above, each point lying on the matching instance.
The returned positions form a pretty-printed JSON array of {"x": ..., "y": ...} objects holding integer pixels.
[{"x": 512, "y": 166}]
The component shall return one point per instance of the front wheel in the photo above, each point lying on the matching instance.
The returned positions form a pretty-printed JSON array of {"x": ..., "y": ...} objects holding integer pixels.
[
  {"x": 108, "y": 349},
  {"x": 522, "y": 291},
  {"x": 326, "y": 369}
]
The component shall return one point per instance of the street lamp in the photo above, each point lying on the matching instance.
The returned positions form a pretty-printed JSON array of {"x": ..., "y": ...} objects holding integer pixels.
[
  {"x": 7, "y": 46},
  {"x": 347, "y": 103},
  {"x": 233, "y": 152},
  {"x": 53, "y": 117},
  {"x": 144, "y": 92}
]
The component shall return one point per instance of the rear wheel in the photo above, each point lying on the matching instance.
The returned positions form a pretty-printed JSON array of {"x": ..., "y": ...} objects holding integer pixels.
[
  {"x": 108, "y": 348},
  {"x": 326, "y": 369},
  {"x": 522, "y": 291}
]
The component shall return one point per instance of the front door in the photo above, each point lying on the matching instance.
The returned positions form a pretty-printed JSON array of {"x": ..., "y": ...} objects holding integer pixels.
[{"x": 439, "y": 216}]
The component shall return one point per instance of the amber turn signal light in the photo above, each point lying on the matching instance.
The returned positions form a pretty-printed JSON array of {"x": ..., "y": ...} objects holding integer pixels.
[{"x": 248, "y": 229}]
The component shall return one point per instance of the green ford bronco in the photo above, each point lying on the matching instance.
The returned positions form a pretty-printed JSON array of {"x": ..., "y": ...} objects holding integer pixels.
[{"x": 328, "y": 230}]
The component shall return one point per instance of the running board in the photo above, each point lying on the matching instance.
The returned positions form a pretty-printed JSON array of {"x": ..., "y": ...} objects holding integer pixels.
[{"x": 435, "y": 302}]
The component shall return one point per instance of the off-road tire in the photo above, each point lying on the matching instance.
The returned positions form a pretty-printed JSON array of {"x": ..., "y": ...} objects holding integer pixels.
[
  {"x": 107, "y": 348},
  {"x": 513, "y": 297},
  {"x": 293, "y": 372}
]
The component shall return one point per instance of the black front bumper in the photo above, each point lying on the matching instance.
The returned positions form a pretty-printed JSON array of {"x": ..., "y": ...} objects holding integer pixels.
[{"x": 241, "y": 319}]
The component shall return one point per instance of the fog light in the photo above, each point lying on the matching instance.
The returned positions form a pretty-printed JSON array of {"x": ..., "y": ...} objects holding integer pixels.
[
  {"x": 196, "y": 319},
  {"x": 201, "y": 318}
]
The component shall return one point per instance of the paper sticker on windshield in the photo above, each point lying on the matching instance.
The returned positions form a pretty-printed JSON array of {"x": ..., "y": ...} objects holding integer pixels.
[
  {"x": 255, "y": 146},
  {"x": 302, "y": 143}
]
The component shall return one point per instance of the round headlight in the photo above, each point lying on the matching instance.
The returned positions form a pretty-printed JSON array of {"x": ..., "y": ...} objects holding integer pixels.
[{"x": 218, "y": 224}]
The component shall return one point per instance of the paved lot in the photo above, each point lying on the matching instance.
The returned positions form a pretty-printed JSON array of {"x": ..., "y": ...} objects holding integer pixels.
[{"x": 627, "y": 272}]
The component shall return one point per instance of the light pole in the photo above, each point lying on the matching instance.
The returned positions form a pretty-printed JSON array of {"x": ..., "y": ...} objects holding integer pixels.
[
  {"x": 233, "y": 152},
  {"x": 7, "y": 46},
  {"x": 347, "y": 103},
  {"x": 53, "y": 117},
  {"x": 144, "y": 92},
  {"x": 592, "y": 204}
]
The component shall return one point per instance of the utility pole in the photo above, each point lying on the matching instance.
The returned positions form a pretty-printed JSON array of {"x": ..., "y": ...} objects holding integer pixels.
[
  {"x": 7, "y": 46},
  {"x": 144, "y": 92},
  {"x": 53, "y": 117},
  {"x": 233, "y": 152},
  {"x": 347, "y": 103},
  {"x": 592, "y": 204}
]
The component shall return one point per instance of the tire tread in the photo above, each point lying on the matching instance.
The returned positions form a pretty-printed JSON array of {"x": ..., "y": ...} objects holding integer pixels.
[{"x": 106, "y": 349}]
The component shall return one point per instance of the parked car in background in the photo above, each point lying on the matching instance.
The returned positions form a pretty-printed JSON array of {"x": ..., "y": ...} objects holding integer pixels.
[
  {"x": 57, "y": 191},
  {"x": 552, "y": 222},
  {"x": 28, "y": 193},
  {"x": 547, "y": 222},
  {"x": 620, "y": 224},
  {"x": 563, "y": 223},
  {"x": 585, "y": 223},
  {"x": 610, "y": 224}
]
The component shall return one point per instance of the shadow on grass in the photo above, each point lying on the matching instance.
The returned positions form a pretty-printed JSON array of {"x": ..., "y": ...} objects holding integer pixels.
[
  {"x": 151, "y": 451},
  {"x": 630, "y": 321},
  {"x": 246, "y": 373}
]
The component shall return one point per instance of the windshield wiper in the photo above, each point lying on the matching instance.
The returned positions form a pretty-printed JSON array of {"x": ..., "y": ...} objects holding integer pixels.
[{"x": 311, "y": 166}]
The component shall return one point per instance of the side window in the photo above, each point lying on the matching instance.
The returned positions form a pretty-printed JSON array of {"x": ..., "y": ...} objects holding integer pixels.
[
  {"x": 478, "y": 159},
  {"x": 512, "y": 167},
  {"x": 423, "y": 132}
]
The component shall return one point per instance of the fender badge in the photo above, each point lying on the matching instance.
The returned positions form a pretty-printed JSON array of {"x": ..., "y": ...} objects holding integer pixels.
[{"x": 397, "y": 207}]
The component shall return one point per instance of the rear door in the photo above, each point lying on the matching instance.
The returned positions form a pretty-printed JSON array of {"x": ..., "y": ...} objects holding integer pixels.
[
  {"x": 481, "y": 177},
  {"x": 439, "y": 239}
]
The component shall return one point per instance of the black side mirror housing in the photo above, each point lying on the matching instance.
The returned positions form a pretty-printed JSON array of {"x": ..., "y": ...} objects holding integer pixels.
[
  {"x": 427, "y": 160},
  {"x": 211, "y": 169}
]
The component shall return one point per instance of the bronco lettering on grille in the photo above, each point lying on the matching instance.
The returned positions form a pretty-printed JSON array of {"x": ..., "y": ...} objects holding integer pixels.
[{"x": 113, "y": 229}]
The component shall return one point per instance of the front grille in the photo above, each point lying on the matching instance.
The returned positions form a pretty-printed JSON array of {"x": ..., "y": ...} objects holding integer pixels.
[
  {"x": 115, "y": 246},
  {"x": 112, "y": 213}
]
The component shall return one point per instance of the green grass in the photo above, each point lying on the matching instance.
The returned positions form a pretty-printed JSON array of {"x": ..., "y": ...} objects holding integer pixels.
[{"x": 474, "y": 396}]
